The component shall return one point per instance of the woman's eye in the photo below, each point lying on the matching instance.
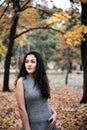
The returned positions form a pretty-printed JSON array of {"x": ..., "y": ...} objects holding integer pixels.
[
  {"x": 33, "y": 61},
  {"x": 26, "y": 61}
]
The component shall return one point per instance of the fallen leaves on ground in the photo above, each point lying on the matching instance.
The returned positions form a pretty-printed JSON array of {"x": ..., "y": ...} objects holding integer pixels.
[{"x": 64, "y": 99}]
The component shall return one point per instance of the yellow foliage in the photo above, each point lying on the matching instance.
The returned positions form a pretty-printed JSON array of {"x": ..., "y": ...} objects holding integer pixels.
[
  {"x": 58, "y": 17},
  {"x": 62, "y": 28},
  {"x": 3, "y": 50},
  {"x": 77, "y": 1},
  {"x": 75, "y": 36},
  {"x": 22, "y": 40},
  {"x": 29, "y": 17},
  {"x": 84, "y": 1},
  {"x": 84, "y": 29}
]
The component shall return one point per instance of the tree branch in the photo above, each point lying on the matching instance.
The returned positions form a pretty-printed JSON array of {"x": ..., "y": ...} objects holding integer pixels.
[
  {"x": 46, "y": 10},
  {"x": 24, "y": 6},
  {"x": 37, "y": 28},
  {"x": 4, "y": 11}
]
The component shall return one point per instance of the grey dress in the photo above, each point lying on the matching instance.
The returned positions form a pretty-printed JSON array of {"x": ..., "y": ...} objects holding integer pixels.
[{"x": 37, "y": 107}]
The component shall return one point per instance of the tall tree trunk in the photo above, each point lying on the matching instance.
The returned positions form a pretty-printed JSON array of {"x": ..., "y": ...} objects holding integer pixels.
[
  {"x": 69, "y": 70},
  {"x": 9, "y": 53},
  {"x": 84, "y": 54},
  {"x": 69, "y": 64},
  {"x": 84, "y": 63},
  {"x": 17, "y": 58}
]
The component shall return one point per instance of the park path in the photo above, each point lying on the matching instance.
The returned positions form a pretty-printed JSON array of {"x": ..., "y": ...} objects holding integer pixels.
[{"x": 74, "y": 79}]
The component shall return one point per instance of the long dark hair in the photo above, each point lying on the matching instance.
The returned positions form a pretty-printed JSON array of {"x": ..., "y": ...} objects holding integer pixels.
[{"x": 41, "y": 76}]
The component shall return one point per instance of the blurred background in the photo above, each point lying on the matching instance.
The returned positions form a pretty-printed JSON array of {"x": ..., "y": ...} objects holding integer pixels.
[
  {"x": 57, "y": 29},
  {"x": 49, "y": 27}
]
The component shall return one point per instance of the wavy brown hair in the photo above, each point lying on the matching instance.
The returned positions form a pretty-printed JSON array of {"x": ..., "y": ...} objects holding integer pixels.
[{"x": 41, "y": 76}]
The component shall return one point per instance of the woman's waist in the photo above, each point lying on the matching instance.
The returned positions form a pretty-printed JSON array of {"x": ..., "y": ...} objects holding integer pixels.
[
  {"x": 40, "y": 114},
  {"x": 38, "y": 106}
]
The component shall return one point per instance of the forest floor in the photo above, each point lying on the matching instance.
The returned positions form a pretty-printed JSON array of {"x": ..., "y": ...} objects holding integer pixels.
[{"x": 64, "y": 99}]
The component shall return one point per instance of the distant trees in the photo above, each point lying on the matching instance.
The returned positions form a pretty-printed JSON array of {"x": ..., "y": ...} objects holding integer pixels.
[
  {"x": 13, "y": 11},
  {"x": 83, "y": 35},
  {"x": 23, "y": 16},
  {"x": 45, "y": 41}
]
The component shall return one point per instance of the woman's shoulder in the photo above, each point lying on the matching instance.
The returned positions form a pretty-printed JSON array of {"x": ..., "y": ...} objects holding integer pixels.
[
  {"x": 19, "y": 80},
  {"x": 19, "y": 84}
]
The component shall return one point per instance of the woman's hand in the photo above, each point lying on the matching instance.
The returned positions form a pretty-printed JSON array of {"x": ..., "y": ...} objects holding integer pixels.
[{"x": 52, "y": 120}]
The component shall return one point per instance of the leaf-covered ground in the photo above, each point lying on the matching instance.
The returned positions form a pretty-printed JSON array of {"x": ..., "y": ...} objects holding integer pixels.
[{"x": 64, "y": 99}]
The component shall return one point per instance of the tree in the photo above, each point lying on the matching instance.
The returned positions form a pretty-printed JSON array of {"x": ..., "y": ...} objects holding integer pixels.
[
  {"x": 43, "y": 39},
  {"x": 84, "y": 53},
  {"x": 80, "y": 32},
  {"x": 84, "y": 49},
  {"x": 16, "y": 7},
  {"x": 10, "y": 47}
]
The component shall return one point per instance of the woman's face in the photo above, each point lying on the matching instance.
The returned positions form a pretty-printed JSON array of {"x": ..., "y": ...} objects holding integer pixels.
[{"x": 30, "y": 64}]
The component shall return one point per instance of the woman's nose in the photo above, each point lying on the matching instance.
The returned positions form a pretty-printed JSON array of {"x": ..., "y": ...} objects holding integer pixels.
[{"x": 29, "y": 63}]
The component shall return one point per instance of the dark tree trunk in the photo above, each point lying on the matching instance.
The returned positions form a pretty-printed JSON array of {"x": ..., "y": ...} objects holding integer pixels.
[
  {"x": 69, "y": 64},
  {"x": 84, "y": 63},
  {"x": 9, "y": 53},
  {"x": 69, "y": 70},
  {"x": 66, "y": 79},
  {"x": 84, "y": 54}
]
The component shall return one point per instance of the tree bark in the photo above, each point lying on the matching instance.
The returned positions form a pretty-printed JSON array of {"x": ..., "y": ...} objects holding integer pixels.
[
  {"x": 84, "y": 54},
  {"x": 84, "y": 63},
  {"x": 69, "y": 70},
  {"x": 9, "y": 53}
]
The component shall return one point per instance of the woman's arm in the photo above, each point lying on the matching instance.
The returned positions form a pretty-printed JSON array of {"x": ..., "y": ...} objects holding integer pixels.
[
  {"x": 21, "y": 104},
  {"x": 53, "y": 118}
]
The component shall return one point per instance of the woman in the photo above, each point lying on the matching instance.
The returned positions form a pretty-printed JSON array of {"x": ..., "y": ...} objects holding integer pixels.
[{"x": 32, "y": 93}]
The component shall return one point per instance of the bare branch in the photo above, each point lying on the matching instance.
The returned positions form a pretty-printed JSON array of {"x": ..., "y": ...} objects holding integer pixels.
[
  {"x": 4, "y": 11},
  {"x": 46, "y": 10},
  {"x": 25, "y": 4},
  {"x": 37, "y": 28},
  {"x": 57, "y": 30}
]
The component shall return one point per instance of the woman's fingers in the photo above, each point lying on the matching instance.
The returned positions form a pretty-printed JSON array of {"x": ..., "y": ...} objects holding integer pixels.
[
  {"x": 52, "y": 124},
  {"x": 52, "y": 120}
]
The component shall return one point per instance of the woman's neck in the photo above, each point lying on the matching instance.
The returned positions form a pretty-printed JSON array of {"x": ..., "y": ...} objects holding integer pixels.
[{"x": 32, "y": 75}]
